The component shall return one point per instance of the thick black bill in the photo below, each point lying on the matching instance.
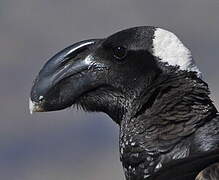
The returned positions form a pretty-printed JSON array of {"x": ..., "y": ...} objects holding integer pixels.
[{"x": 69, "y": 62}]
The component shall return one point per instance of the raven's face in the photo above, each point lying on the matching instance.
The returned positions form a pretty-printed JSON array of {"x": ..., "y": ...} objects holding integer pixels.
[
  {"x": 99, "y": 73},
  {"x": 95, "y": 70}
]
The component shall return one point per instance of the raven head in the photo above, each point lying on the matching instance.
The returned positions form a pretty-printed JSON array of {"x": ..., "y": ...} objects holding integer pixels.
[{"x": 101, "y": 74}]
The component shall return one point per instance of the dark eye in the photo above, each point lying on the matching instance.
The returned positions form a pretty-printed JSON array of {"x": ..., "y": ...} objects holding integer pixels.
[{"x": 119, "y": 52}]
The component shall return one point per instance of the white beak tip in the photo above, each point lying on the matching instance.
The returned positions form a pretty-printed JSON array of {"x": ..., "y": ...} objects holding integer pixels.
[{"x": 34, "y": 107}]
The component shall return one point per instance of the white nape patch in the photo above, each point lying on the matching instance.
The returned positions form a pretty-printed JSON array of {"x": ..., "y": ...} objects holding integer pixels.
[
  {"x": 31, "y": 106},
  {"x": 168, "y": 48}
]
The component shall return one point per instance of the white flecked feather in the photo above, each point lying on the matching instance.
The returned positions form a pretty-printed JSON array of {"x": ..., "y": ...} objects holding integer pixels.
[{"x": 168, "y": 48}]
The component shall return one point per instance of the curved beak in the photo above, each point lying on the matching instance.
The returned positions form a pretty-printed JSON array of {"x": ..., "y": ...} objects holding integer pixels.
[{"x": 71, "y": 61}]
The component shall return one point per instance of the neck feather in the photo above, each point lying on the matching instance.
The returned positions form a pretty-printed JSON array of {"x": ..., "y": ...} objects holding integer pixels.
[{"x": 162, "y": 126}]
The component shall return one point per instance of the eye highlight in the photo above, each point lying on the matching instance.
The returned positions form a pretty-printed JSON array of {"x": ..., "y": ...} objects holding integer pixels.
[{"x": 119, "y": 52}]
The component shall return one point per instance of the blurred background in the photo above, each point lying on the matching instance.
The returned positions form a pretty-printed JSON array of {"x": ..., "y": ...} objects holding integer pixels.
[{"x": 70, "y": 144}]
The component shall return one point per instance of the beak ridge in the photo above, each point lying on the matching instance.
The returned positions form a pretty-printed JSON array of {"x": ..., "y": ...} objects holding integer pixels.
[{"x": 72, "y": 63}]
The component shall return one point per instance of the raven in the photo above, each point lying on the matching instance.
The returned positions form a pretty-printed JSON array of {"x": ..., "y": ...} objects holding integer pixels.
[{"x": 146, "y": 80}]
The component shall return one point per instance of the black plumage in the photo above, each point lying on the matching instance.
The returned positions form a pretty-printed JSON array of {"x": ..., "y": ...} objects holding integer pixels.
[{"x": 169, "y": 127}]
